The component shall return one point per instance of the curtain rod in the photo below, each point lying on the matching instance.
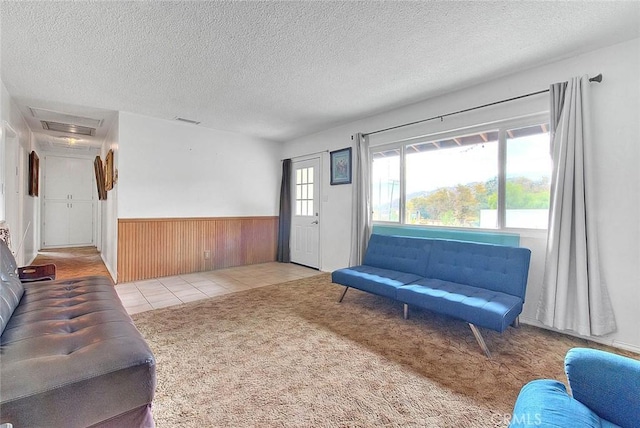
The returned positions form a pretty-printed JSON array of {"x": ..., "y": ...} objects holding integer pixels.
[{"x": 597, "y": 78}]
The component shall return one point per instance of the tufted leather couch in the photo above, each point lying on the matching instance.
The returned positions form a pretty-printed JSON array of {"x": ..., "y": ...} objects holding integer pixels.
[
  {"x": 70, "y": 355},
  {"x": 482, "y": 284}
]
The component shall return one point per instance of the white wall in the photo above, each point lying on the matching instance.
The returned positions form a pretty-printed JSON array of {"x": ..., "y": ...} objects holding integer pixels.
[
  {"x": 25, "y": 230},
  {"x": 170, "y": 169},
  {"x": 616, "y": 128},
  {"x": 108, "y": 210},
  {"x": 4, "y": 106}
]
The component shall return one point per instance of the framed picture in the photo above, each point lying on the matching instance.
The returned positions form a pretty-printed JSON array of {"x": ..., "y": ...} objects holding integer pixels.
[
  {"x": 108, "y": 171},
  {"x": 100, "y": 181},
  {"x": 34, "y": 174},
  {"x": 341, "y": 166}
]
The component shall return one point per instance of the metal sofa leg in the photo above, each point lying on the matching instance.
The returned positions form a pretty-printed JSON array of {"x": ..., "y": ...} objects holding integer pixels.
[
  {"x": 516, "y": 322},
  {"x": 480, "y": 340},
  {"x": 406, "y": 311},
  {"x": 345, "y": 292}
]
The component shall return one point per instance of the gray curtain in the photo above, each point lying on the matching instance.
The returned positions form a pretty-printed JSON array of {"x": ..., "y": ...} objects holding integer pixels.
[
  {"x": 361, "y": 200},
  {"x": 574, "y": 295},
  {"x": 284, "y": 219}
]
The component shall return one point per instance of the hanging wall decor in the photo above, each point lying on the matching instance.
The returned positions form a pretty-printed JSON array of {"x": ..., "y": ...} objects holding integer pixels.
[
  {"x": 34, "y": 174},
  {"x": 341, "y": 166},
  {"x": 100, "y": 181},
  {"x": 108, "y": 171}
]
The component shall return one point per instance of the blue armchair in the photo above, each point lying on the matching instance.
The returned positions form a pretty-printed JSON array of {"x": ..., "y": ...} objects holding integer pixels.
[{"x": 605, "y": 392}]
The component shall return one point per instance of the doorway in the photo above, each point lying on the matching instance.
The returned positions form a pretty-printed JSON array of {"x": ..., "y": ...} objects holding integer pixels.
[
  {"x": 14, "y": 182},
  {"x": 305, "y": 216},
  {"x": 69, "y": 205}
]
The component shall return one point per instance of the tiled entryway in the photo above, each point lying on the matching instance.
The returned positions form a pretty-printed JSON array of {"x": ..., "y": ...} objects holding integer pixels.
[{"x": 140, "y": 296}]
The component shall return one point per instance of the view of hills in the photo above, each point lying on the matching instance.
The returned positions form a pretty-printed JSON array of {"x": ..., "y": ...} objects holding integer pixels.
[{"x": 461, "y": 205}]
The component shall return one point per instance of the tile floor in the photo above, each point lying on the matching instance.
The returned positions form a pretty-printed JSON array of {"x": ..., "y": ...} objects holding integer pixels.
[{"x": 140, "y": 296}]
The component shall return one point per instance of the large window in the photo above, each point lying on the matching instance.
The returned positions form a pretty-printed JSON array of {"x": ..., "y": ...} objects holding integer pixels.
[{"x": 494, "y": 178}]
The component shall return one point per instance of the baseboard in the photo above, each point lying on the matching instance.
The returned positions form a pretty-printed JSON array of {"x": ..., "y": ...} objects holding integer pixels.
[
  {"x": 113, "y": 274},
  {"x": 610, "y": 342},
  {"x": 626, "y": 346},
  {"x": 33, "y": 259}
]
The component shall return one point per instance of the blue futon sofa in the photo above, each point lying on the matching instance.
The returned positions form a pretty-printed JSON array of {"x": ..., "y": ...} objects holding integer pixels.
[
  {"x": 482, "y": 284},
  {"x": 605, "y": 392}
]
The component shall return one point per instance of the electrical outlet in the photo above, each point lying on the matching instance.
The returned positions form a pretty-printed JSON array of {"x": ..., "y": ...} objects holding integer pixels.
[{"x": 207, "y": 254}]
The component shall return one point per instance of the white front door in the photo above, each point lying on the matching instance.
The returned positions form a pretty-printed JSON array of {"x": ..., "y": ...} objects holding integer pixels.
[{"x": 305, "y": 218}]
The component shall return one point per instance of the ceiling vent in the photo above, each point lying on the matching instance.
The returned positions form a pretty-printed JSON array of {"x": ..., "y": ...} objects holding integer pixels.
[
  {"x": 68, "y": 128},
  {"x": 182, "y": 119}
]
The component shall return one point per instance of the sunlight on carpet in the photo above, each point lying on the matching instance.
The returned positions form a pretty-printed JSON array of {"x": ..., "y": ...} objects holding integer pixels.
[{"x": 289, "y": 355}]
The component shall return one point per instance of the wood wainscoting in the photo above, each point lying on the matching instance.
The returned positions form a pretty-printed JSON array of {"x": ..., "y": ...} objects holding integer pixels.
[{"x": 152, "y": 248}]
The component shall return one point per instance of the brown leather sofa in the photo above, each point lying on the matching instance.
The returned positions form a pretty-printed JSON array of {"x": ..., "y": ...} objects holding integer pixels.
[{"x": 70, "y": 355}]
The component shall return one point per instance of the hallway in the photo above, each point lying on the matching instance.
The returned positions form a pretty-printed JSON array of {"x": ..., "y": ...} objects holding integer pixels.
[
  {"x": 73, "y": 262},
  {"x": 149, "y": 294}
]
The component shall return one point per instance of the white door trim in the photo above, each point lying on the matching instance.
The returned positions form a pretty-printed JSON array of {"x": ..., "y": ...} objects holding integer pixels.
[{"x": 318, "y": 160}]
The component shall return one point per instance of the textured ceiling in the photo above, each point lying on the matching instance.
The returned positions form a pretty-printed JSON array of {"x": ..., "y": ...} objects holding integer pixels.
[{"x": 280, "y": 70}]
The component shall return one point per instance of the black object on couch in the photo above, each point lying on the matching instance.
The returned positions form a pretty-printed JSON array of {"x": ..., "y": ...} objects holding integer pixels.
[{"x": 70, "y": 355}]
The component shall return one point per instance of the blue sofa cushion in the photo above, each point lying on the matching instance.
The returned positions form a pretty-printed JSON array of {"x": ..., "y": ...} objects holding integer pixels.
[
  {"x": 403, "y": 254},
  {"x": 545, "y": 403},
  {"x": 493, "y": 267},
  {"x": 484, "y": 308},
  {"x": 383, "y": 282},
  {"x": 609, "y": 384}
]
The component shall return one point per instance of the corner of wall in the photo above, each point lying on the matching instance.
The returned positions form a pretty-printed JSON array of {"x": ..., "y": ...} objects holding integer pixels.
[{"x": 108, "y": 229}]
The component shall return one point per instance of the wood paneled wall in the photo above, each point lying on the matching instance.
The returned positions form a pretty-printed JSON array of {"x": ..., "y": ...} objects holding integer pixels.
[{"x": 151, "y": 248}]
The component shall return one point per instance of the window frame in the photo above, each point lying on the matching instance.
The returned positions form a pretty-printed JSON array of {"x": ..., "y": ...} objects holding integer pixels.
[
  {"x": 304, "y": 190},
  {"x": 501, "y": 126}
]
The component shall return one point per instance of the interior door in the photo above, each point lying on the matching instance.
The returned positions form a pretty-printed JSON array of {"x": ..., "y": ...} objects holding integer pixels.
[
  {"x": 80, "y": 222},
  {"x": 305, "y": 218},
  {"x": 56, "y": 224},
  {"x": 69, "y": 178},
  {"x": 69, "y": 203}
]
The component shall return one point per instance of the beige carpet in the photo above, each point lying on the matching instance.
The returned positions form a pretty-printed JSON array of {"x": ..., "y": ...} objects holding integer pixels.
[{"x": 289, "y": 355}]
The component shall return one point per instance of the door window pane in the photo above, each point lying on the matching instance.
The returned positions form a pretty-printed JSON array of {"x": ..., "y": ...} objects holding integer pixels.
[{"x": 304, "y": 192}]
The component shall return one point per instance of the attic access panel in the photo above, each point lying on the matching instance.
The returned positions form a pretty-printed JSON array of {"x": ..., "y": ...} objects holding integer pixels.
[{"x": 68, "y": 128}]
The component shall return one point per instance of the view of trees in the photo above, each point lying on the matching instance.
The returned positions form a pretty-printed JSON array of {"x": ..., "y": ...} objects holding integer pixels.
[
  {"x": 429, "y": 172},
  {"x": 461, "y": 205}
]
